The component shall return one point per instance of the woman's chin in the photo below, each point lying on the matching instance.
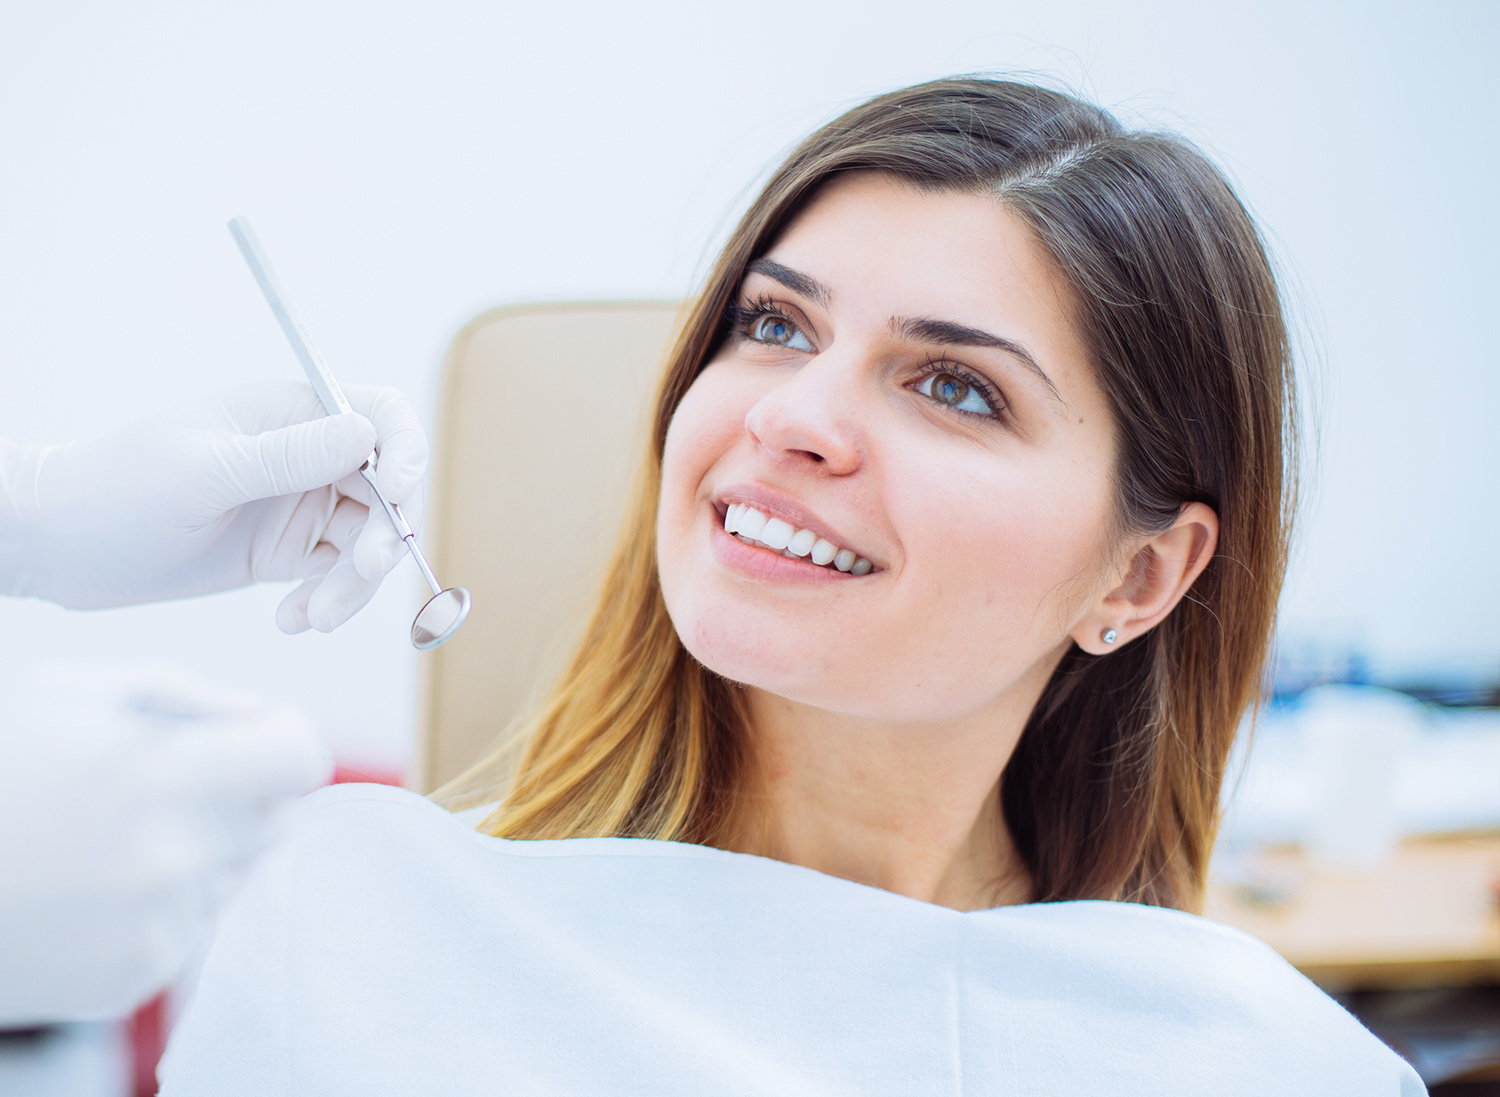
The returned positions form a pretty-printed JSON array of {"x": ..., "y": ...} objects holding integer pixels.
[
  {"x": 796, "y": 673},
  {"x": 802, "y": 677}
]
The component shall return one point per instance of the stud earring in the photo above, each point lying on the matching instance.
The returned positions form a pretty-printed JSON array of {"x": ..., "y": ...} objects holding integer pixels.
[{"x": 1110, "y": 635}]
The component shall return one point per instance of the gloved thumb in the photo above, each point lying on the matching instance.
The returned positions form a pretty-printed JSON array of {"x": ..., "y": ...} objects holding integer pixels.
[{"x": 298, "y": 458}]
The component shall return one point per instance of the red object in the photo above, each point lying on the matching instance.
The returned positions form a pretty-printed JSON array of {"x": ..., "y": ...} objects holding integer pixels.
[
  {"x": 147, "y": 1032},
  {"x": 349, "y": 775}
]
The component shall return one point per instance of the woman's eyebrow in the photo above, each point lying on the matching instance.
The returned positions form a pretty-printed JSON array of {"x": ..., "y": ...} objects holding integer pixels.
[
  {"x": 924, "y": 329},
  {"x": 793, "y": 280}
]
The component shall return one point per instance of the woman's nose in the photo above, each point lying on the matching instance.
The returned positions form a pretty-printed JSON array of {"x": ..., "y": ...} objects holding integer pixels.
[{"x": 811, "y": 415}]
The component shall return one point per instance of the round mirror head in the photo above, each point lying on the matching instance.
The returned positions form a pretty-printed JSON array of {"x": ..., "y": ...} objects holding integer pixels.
[{"x": 440, "y": 618}]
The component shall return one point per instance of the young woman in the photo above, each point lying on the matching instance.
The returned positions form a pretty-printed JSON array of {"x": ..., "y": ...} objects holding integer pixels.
[{"x": 949, "y": 580}]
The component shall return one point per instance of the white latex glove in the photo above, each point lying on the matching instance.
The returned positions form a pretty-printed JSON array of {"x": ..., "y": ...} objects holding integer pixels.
[
  {"x": 254, "y": 483},
  {"x": 131, "y": 804}
]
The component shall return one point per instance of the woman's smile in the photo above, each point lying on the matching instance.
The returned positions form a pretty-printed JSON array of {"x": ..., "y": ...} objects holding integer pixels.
[{"x": 778, "y": 527}]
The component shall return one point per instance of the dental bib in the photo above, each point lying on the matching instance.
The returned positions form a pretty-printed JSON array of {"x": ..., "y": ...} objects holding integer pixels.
[{"x": 385, "y": 948}]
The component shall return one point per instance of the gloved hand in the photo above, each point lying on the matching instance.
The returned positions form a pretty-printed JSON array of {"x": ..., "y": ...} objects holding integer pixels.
[
  {"x": 131, "y": 804},
  {"x": 253, "y": 483}
]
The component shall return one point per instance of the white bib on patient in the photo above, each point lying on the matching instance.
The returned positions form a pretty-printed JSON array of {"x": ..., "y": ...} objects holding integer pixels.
[{"x": 385, "y": 948}]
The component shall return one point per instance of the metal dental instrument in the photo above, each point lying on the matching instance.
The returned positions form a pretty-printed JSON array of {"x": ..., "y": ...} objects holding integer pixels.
[{"x": 446, "y": 610}]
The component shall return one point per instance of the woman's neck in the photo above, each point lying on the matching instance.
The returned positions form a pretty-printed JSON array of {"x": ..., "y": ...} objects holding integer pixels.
[{"x": 910, "y": 808}]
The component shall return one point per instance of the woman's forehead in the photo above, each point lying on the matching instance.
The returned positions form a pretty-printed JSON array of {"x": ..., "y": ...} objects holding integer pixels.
[{"x": 918, "y": 240}]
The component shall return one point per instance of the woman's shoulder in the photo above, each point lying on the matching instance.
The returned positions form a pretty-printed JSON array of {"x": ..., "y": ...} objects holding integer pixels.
[
  {"x": 371, "y": 815},
  {"x": 1135, "y": 933},
  {"x": 384, "y": 822},
  {"x": 1153, "y": 982},
  {"x": 1154, "y": 948}
]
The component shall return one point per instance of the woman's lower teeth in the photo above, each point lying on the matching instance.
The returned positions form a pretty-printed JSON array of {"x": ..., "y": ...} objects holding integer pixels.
[{"x": 844, "y": 560}]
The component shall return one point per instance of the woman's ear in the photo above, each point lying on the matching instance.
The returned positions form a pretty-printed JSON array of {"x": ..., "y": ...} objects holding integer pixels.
[{"x": 1155, "y": 578}]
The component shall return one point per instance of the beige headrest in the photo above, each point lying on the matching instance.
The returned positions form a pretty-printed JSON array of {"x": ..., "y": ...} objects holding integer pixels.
[{"x": 540, "y": 424}]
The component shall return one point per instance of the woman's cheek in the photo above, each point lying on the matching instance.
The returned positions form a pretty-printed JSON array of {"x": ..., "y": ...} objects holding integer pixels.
[
  {"x": 1009, "y": 555},
  {"x": 685, "y": 458},
  {"x": 704, "y": 429},
  {"x": 708, "y": 421}
]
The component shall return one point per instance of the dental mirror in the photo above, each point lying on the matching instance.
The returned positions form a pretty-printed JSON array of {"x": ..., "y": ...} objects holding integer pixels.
[
  {"x": 440, "y": 618},
  {"x": 446, "y": 611}
]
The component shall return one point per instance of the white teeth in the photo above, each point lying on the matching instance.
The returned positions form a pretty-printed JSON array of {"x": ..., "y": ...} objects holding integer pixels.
[
  {"x": 751, "y": 522},
  {"x": 777, "y": 534},
  {"x": 758, "y": 528}
]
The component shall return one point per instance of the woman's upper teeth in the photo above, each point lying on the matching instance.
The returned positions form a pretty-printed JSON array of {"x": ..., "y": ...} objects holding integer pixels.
[{"x": 759, "y": 528}]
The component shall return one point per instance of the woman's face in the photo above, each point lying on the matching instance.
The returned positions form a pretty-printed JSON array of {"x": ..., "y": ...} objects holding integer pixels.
[{"x": 903, "y": 382}]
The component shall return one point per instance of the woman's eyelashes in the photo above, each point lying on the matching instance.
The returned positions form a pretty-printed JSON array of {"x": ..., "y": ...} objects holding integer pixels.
[
  {"x": 954, "y": 387},
  {"x": 766, "y": 323}
]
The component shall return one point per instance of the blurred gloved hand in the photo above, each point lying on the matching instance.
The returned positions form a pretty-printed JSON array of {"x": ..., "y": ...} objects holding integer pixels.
[
  {"x": 250, "y": 484},
  {"x": 131, "y": 804}
]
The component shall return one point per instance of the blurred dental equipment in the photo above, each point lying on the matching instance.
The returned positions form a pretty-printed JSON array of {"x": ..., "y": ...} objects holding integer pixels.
[
  {"x": 1354, "y": 746},
  {"x": 1346, "y": 771},
  {"x": 447, "y": 610},
  {"x": 132, "y": 800},
  {"x": 250, "y": 484}
]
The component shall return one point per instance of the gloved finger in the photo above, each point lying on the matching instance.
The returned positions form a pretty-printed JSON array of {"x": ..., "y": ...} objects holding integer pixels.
[
  {"x": 343, "y": 526},
  {"x": 291, "y": 614},
  {"x": 156, "y": 690},
  {"x": 288, "y": 531},
  {"x": 172, "y": 694},
  {"x": 380, "y": 547},
  {"x": 340, "y": 594},
  {"x": 349, "y": 517},
  {"x": 297, "y": 458},
  {"x": 208, "y": 800},
  {"x": 268, "y": 404},
  {"x": 186, "y": 849},
  {"x": 400, "y": 439},
  {"x": 243, "y": 763}
]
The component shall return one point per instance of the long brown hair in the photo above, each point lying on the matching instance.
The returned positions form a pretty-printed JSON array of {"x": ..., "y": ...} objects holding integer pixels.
[{"x": 1112, "y": 791}]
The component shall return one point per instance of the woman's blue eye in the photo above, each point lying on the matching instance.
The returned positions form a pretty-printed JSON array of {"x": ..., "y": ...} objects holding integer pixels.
[
  {"x": 778, "y": 331},
  {"x": 954, "y": 392}
]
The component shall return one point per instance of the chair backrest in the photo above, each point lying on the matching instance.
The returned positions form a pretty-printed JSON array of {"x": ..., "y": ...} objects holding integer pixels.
[{"x": 540, "y": 425}]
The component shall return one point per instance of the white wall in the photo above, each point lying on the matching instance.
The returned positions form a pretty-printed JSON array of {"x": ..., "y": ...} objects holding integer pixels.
[{"x": 408, "y": 165}]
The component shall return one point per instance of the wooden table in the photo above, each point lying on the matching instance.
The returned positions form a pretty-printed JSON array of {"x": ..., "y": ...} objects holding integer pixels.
[{"x": 1428, "y": 917}]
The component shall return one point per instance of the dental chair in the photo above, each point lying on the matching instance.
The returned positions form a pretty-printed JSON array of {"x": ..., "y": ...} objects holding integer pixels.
[{"x": 541, "y": 420}]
